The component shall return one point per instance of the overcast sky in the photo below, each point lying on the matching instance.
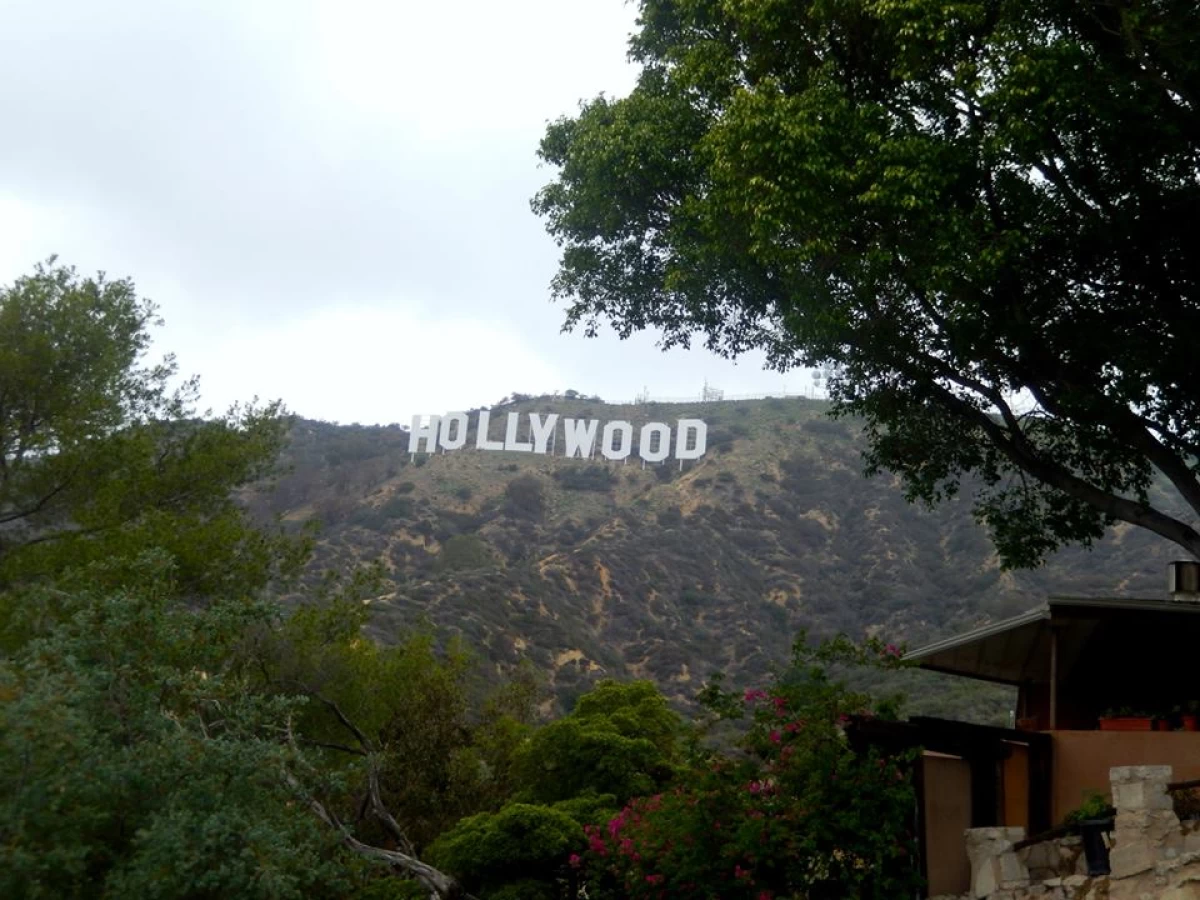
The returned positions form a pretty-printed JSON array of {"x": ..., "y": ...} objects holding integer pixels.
[{"x": 328, "y": 201}]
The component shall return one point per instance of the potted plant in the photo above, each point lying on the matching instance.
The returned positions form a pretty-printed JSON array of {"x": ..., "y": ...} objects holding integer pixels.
[
  {"x": 1189, "y": 718},
  {"x": 1094, "y": 818},
  {"x": 1126, "y": 719}
]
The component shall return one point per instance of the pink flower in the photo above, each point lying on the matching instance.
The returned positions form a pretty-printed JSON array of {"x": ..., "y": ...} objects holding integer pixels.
[
  {"x": 614, "y": 824},
  {"x": 754, "y": 694},
  {"x": 775, "y": 737},
  {"x": 791, "y": 727},
  {"x": 891, "y": 650},
  {"x": 754, "y": 787},
  {"x": 764, "y": 895},
  {"x": 655, "y": 879},
  {"x": 574, "y": 860}
]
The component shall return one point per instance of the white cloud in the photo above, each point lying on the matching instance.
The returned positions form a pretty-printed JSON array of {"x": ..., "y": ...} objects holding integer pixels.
[{"x": 353, "y": 363}]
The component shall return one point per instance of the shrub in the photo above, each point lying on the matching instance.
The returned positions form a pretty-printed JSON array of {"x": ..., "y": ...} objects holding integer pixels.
[
  {"x": 515, "y": 853},
  {"x": 586, "y": 478},
  {"x": 464, "y": 551},
  {"x": 524, "y": 498}
]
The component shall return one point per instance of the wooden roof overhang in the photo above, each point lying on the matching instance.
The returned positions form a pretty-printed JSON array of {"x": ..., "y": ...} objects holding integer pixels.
[{"x": 1025, "y": 648}]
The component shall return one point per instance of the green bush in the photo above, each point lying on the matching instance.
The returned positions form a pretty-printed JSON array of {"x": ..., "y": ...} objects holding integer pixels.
[
  {"x": 493, "y": 852},
  {"x": 465, "y": 551},
  {"x": 586, "y": 478},
  {"x": 525, "y": 498}
]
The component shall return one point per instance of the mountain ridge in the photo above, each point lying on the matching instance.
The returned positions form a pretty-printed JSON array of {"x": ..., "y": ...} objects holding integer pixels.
[{"x": 593, "y": 568}]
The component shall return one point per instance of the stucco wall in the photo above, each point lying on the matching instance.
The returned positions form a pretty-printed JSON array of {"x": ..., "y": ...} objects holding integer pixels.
[
  {"x": 1082, "y": 760},
  {"x": 947, "y": 816}
]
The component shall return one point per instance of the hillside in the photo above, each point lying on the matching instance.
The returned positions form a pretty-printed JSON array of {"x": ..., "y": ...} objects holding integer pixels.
[{"x": 591, "y": 568}]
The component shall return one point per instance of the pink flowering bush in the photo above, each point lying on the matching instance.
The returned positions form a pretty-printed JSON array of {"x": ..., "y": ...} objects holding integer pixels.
[{"x": 799, "y": 813}]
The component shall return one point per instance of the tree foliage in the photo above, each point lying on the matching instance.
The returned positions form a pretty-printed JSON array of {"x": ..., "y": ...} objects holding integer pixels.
[
  {"x": 621, "y": 739},
  {"x": 517, "y": 851},
  {"x": 138, "y": 763},
  {"x": 100, "y": 458},
  {"x": 976, "y": 211},
  {"x": 410, "y": 714}
]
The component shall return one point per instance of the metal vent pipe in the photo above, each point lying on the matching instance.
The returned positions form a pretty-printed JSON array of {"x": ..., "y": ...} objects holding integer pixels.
[{"x": 1183, "y": 580}]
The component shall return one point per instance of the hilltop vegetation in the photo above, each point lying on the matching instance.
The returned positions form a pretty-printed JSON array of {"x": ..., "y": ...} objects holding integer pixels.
[{"x": 591, "y": 569}]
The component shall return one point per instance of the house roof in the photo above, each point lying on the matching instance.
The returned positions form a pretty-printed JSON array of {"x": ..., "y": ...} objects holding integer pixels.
[{"x": 1018, "y": 649}]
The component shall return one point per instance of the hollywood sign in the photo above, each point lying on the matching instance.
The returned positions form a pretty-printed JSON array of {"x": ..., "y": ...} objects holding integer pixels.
[{"x": 656, "y": 440}]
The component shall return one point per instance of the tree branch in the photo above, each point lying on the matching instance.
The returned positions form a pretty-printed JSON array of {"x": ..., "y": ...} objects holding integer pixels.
[
  {"x": 442, "y": 885},
  {"x": 37, "y": 507},
  {"x": 381, "y": 811},
  {"x": 1131, "y": 426},
  {"x": 1025, "y": 457}
]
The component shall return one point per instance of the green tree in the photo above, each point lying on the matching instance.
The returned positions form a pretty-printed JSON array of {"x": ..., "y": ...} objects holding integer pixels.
[
  {"x": 145, "y": 749},
  {"x": 136, "y": 762},
  {"x": 977, "y": 212},
  {"x": 622, "y": 739},
  {"x": 407, "y": 720},
  {"x": 100, "y": 458},
  {"x": 518, "y": 852}
]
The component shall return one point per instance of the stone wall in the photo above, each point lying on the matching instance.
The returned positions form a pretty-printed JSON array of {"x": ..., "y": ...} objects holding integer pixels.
[{"x": 1153, "y": 856}]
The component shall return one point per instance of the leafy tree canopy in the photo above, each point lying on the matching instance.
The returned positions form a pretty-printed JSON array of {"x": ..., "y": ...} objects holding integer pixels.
[
  {"x": 622, "y": 739},
  {"x": 135, "y": 763},
  {"x": 978, "y": 213},
  {"x": 102, "y": 458}
]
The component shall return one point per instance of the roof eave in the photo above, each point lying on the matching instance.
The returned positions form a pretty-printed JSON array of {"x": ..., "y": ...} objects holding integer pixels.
[{"x": 1037, "y": 614}]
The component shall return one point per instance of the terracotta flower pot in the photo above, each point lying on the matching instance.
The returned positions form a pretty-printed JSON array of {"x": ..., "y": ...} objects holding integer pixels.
[
  {"x": 1162, "y": 725},
  {"x": 1190, "y": 721},
  {"x": 1127, "y": 723}
]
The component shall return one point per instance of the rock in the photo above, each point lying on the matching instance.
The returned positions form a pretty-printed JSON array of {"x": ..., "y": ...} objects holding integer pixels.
[
  {"x": 1140, "y": 787},
  {"x": 1129, "y": 858},
  {"x": 994, "y": 865}
]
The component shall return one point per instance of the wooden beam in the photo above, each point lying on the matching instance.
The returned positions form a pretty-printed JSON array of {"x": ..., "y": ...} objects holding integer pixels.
[{"x": 1053, "y": 678}]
